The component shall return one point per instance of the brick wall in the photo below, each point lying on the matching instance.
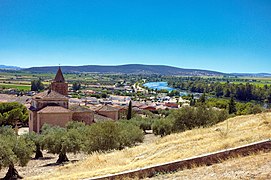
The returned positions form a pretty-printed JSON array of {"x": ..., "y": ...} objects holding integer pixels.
[
  {"x": 87, "y": 117},
  {"x": 58, "y": 119},
  {"x": 61, "y": 88},
  {"x": 110, "y": 114}
]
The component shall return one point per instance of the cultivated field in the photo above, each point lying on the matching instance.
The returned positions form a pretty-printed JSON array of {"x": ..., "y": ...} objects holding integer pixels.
[{"x": 231, "y": 133}]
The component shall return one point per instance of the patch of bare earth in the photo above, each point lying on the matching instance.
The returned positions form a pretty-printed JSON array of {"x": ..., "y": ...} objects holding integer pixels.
[{"x": 46, "y": 164}]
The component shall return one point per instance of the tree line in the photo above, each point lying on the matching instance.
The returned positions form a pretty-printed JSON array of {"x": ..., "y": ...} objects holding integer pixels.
[{"x": 242, "y": 92}]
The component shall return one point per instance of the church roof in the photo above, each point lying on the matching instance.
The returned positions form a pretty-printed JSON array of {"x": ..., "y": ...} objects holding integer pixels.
[
  {"x": 100, "y": 118},
  {"x": 49, "y": 94},
  {"x": 54, "y": 109},
  {"x": 77, "y": 108},
  {"x": 108, "y": 108},
  {"x": 59, "y": 76}
]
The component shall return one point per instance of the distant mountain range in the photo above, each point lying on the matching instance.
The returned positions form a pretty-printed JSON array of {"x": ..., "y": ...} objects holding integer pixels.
[
  {"x": 9, "y": 67},
  {"x": 131, "y": 69},
  {"x": 126, "y": 69},
  {"x": 252, "y": 74}
]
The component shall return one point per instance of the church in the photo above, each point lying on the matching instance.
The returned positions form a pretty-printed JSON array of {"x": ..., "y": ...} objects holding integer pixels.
[{"x": 52, "y": 107}]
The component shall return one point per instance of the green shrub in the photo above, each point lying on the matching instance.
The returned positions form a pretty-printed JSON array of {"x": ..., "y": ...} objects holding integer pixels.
[{"x": 162, "y": 127}]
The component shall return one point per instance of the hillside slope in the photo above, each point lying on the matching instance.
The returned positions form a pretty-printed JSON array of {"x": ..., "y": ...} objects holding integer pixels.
[
  {"x": 126, "y": 69},
  {"x": 231, "y": 133},
  {"x": 256, "y": 166}
]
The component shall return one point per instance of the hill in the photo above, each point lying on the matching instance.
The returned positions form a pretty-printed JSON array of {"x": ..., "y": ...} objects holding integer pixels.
[
  {"x": 4, "y": 67},
  {"x": 126, "y": 69},
  {"x": 256, "y": 166},
  {"x": 230, "y": 133}
]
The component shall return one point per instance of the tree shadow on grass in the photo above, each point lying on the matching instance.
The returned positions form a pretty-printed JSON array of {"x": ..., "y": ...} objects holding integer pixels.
[
  {"x": 43, "y": 158},
  {"x": 59, "y": 164}
]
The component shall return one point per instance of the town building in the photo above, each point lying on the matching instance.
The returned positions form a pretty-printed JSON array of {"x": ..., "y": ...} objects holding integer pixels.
[{"x": 52, "y": 107}]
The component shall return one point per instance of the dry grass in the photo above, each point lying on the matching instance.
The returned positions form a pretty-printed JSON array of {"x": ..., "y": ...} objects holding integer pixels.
[
  {"x": 231, "y": 133},
  {"x": 257, "y": 166}
]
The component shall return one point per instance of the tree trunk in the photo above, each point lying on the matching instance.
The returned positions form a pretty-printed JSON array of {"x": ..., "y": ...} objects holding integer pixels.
[
  {"x": 12, "y": 173},
  {"x": 62, "y": 158},
  {"x": 38, "y": 152}
]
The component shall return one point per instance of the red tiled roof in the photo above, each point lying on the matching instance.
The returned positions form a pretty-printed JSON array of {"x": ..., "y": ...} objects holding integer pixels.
[
  {"x": 49, "y": 94},
  {"x": 54, "y": 109},
  {"x": 77, "y": 108},
  {"x": 98, "y": 118},
  {"x": 108, "y": 108}
]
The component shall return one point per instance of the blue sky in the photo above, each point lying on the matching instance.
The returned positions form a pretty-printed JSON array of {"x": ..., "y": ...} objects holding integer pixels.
[{"x": 227, "y": 36}]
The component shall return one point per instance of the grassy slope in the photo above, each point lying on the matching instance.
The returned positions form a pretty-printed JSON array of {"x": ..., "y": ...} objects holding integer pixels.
[
  {"x": 257, "y": 166},
  {"x": 231, "y": 133}
]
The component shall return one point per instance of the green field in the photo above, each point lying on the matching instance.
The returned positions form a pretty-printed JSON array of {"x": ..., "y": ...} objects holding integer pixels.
[{"x": 15, "y": 86}]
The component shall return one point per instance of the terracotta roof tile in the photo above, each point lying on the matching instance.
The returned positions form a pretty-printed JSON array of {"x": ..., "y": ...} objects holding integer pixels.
[
  {"x": 49, "y": 94},
  {"x": 99, "y": 118},
  {"x": 77, "y": 108},
  {"x": 54, "y": 109},
  {"x": 108, "y": 108}
]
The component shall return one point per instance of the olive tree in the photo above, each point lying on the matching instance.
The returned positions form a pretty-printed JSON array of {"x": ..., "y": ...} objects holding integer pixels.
[
  {"x": 37, "y": 139},
  {"x": 13, "y": 149},
  {"x": 62, "y": 141}
]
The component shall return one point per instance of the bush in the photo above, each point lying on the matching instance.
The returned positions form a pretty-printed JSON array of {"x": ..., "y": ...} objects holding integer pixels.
[
  {"x": 189, "y": 117},
  {"x": 130, "y": 134},
  {"x": 101, "y": 136},
  {"x": 162, "y": 127},
  {"x": 108, "y": 135}
]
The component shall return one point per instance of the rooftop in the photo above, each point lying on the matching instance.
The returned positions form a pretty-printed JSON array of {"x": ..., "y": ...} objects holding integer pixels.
[
  {"x": 49, "y": 94},
  {"x": 108, "y": 108},
  {"x": 59, "y": 76},
  {"x": 54, "y": 109},
  {"x": 79, "y": 108}
]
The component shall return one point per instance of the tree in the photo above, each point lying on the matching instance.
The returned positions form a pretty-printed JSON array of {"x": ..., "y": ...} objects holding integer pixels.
[
  {"x": 162, "y": 127},
  {"x": 13, "y": 150},
  {"x": 102, "y": 136},
  {"x": 232, "y": 106},
  {"x": 61, "y": 141},
  {"x": 129, "y": 113},
  {"x": 202, "y": 98},
  {"x": 11, "y": 112},
  {"x": 76, "y": 86},
  {"x": 37, "y": 85},
  {"x": 37, "y": 139}
]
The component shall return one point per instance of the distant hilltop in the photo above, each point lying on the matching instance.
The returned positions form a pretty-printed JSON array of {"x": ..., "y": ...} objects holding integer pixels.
[
  {"x": 4, "y": 67},
  {"x": 126, "y": 69},
  {"x": 136, "y": 69}
]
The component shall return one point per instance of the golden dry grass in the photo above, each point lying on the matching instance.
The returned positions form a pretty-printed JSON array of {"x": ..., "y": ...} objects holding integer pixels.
[
  {"x": 257, "y": 166},
  {"x": 231, "y": 133}
]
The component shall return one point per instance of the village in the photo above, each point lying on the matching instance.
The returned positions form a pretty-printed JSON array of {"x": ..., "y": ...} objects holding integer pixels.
[{"x": 110, "y": 106}]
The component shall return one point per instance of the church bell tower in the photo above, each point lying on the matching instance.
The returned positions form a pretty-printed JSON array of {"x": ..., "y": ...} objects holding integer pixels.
[{"x": 59, "y": 85}]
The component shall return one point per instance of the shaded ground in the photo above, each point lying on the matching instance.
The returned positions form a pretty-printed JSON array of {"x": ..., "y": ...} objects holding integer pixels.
[{"x": 36, "y": 167}]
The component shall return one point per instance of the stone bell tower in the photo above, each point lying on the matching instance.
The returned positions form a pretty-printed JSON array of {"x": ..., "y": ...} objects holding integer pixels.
[{"x": 59, "y": 85}]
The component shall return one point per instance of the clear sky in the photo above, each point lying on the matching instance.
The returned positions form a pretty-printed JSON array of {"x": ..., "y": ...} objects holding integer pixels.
[{"x": 221, "y": 35}]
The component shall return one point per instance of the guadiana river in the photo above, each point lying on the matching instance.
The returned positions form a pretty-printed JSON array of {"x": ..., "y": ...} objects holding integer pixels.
[
  {"x": 164, "y": 85},
  {"x": 158, "y": 85}
]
